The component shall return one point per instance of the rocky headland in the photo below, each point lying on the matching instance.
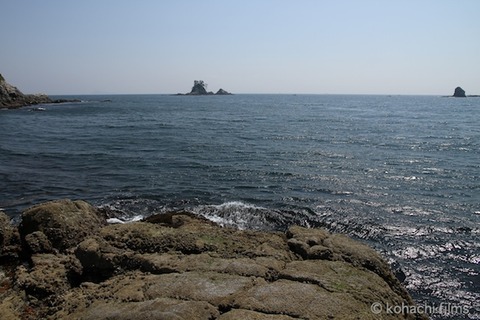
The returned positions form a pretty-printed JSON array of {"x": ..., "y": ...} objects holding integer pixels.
[
  {"x": 200, "y": 89},
  {"x": 11, "y": 97},
  {"x": 63, "y": 261}
]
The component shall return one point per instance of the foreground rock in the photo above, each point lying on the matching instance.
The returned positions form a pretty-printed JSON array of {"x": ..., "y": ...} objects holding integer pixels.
[
  {"x": 11, "y": 97},
  {"x": 178, "y": 266}
]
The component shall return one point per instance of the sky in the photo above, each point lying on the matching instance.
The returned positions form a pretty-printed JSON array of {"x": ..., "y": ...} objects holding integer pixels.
[{"x": 250, "y": 46}]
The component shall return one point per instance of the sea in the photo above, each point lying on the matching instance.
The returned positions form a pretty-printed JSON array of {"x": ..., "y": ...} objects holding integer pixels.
[{"x": 399, "y": 173}]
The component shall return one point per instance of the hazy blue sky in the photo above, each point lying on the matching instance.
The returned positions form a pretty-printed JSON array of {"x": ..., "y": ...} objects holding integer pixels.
[{"x": 249, "y": 46}]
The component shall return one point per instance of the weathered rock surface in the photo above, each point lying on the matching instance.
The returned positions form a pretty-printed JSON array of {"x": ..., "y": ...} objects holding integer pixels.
[
  {"x": 459, "y": 93},
  {"x": 179, "y": 266},
  {"x": 9, "y": 239},
  {"x": 11, "y": 97},
  {"x": 64, "y": 224}
]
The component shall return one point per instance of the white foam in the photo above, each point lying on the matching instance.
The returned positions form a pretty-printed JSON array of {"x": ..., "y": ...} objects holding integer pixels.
[
  {"x": 475, "y": 259},
  {"x": 125, "y": 220},
  {"x": 136, "y": 218},
  {"x": 234, "y": 214},
  {"x": 115, "y": 221}
]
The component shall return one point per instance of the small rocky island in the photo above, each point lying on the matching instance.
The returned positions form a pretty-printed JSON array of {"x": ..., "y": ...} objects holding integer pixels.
[
  {"x": 200, "y": 89},
  {"x": 11, "y": 97},
  {"x": 459, "y": 93},
  {"x": 64, "y": 261}
]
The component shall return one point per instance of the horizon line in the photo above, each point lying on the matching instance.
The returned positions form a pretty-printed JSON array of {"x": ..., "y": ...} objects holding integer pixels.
[{"x": 256, "y": 93}]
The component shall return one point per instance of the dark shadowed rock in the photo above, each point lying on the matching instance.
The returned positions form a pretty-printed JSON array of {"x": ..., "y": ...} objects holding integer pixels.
[
  {"x": 223, "y": 92},
  {"x": 37, "y": 242},
  {"x": 48, "y": 275},
  {"x": 11, "y": 97},
  {"x": 200, "y": 88},
  {"x": 459, "y": 93},
  {"x": 5, "y": 230},
  {"x": 9, "y": 239}
]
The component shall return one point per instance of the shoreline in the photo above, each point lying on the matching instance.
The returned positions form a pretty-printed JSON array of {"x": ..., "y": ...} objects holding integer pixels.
[{"x": 182, "y": 262}]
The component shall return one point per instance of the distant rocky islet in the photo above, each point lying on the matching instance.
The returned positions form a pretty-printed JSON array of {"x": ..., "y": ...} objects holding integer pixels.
[
  {"x": 200, "y": 89},
  {"x": 460, "y": 93}
]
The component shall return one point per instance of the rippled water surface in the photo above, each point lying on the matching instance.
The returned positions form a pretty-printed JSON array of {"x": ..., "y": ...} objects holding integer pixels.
[{"x": 400, "y": 172}]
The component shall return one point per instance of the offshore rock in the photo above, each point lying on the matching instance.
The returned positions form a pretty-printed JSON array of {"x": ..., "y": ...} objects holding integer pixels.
[
  {"x": 459, "y": 93},
  {"x": 200, "y": 88},
  {"x": 223, "y": 92},
  {"x": 180, "y": 266}
]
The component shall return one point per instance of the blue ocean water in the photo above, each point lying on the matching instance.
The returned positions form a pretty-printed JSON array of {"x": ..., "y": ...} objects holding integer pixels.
[{"x": 401, "y": 173}]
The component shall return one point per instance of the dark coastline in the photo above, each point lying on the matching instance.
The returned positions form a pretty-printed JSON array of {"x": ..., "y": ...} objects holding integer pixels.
[{"x": 12, "y": 98}]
